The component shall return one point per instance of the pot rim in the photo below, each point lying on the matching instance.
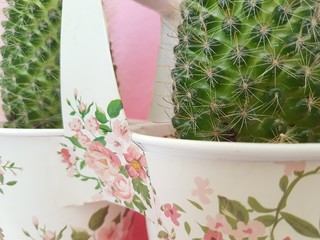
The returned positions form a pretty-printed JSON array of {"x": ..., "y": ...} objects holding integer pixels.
[
  {"x": 143, "y": 135},
  {"x": 19, "y": 132}
]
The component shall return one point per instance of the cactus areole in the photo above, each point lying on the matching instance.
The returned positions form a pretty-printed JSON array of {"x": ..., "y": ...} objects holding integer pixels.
[
  {"x": 30, "y": 66},
  {"x": 248, "y": 71}
]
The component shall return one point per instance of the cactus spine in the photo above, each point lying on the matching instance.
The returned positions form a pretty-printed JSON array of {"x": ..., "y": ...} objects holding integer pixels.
[
  {"x": 31, "y": 67},
  {"x": 248, "y": 71}
]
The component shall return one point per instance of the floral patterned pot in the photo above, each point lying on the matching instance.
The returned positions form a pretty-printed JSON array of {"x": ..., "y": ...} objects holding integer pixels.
[
  {"x": 31, "y": 181},
  {"x": 236, "y": 191}
]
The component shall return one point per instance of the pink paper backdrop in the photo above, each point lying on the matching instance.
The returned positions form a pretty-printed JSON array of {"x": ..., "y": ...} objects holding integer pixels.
[{"x": 135, "y": 38}]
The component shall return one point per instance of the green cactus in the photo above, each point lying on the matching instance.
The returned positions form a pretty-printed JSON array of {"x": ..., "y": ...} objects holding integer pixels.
[
  {"x": 248, "y": 71},
  {"x": 30, "y": 80}
]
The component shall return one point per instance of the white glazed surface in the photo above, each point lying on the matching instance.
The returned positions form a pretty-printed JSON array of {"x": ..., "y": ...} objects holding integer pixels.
[{"x": 199, "y": 184}]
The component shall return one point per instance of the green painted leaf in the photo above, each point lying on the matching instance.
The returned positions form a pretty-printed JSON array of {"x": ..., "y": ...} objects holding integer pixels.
[
  {"x": 97, "y": 219},
  {"x": 79, "y": 235},
  {"x": 256, "y": 206},
  {"x": 204, "y": 228},
  {"x": 197, "y": 205},
  {"x": 101, "y": 116},
  {"x": 139, "y": 204},
  {"x": 233, "y": 210},
  {"x": 180, "y": 209},
  {"x": 60, "y": 235},
  {"x": 11, "y": 183},
  {"x": 114, "y": 108},
  {"x": 101, "y": 140},
  {"x": 142, "y": 189},
  {"x": 82, "y": 164},
  {"x": 187, "y": 228},
  {"x": 1, "y": 179},
  {"x": 117, "y": 219},
  {"x": 301, "y": 226},
  {"x": 283, "y": 184},
  {"x": 162, "y": 234},
  {"x": 267, "y": 220},
  {"x": 105, "y": 128},
  {"x": 26, "y": 233},
  {"x": 73, "y": 113},
  {"x": 75, "y": 142},
  {"x": 1, "y": 191}
]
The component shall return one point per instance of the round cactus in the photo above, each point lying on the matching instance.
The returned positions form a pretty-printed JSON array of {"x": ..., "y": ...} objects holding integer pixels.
[
  {"x": 30, "y": 80},
  {"x": 248, "y": 71}
]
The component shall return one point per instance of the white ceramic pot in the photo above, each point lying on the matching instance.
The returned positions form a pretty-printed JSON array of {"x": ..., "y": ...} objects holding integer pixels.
[
  {"x": 31, "y": 179},
  {"x": 220, "y": 190}
]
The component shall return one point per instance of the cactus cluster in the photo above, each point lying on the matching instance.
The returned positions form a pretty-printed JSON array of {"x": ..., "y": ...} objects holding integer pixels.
[
  {"x": 30, "y": 66},
  {"x": 248, "y": 71}
]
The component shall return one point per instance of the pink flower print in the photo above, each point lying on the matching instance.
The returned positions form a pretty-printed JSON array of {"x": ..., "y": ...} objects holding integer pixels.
[
  {"x": 109, "y": 232},
  {"x": 136, "y": 163},
  {"x": 121, "y": 129},
  {"x": 101, "y": 160},
  {"x": 252, "y": 230},
  {"x": 67, "y": 157},
  {"x": 83, "y": 139},
  {"x": 49, "y": 235},
  {"x": 219, "y": 224},
  {"x": 71, "y": 171},
  {"x": 213, "y": 235},
  {"x": 75, "y": 125},
  {"x": 35, "y": 222},
  {"x": 115, "y": 143},
  {"x": 171, "y": 212},
  {"x": 82, "y": 107},
  {"x": 291, "y": 167},
  {"x": 202, "y": 190},
  {"x": 122, "y": 188},
  {"x": 92, "y": 124},
  {"x": 287, "y": 238}
]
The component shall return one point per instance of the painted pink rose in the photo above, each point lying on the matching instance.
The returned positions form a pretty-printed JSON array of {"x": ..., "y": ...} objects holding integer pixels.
[
  {"x": 83, "y": 139},
  {"x": 49, "y": 235},
  {"x": 75, "y": 125},
  {"x": 213, "y": 235},
  {"x": 252, "y": 231},
  {"x": 219, "y": 224},
  {"x": 67, "y": 157},
  {"x": 287, "y": 238},
  {"x": 202, "y": 190},
  {"x": 101, "y": 159},
  {"x": 121, "y": 129},
  {"x": 110, "y": 232},
  {"x": 136, "y": 163},
  {"x": 171, "y": 211},
  {"x": 123, "y": 188},
  {"x": 291, "y": 167},
  {"x": 92, "y": 124},
  {"x": 127, "y": 225}
]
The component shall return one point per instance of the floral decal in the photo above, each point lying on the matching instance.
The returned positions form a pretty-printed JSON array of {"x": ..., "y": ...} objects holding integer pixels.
[
  {"x": 100, "y": 151},
  {"x": 100, "y": 229},
  {"x": 7, "y": 168},
  {"x": 238, "y": 221}
]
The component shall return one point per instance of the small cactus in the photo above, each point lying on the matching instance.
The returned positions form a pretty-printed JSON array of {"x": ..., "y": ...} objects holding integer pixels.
[
  {"x": 248, "y": 71},
  {"x": 30, "y": 80}
]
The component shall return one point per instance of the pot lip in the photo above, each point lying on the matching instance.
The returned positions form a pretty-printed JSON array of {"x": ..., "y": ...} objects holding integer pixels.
[
  {"x": 19, "y": 132},
  {"x": 252, "y": 151}
]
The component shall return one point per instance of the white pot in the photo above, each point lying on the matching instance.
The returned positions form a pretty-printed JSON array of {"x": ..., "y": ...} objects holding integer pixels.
[
  {"x": 31, "y": 179},
  {"x": 220, "y": 190}
]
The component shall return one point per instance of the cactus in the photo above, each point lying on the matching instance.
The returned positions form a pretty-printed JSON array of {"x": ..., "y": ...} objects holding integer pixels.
[
  {"x": 248, "y": 71},
  {"x": 31, "y": 66}
]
